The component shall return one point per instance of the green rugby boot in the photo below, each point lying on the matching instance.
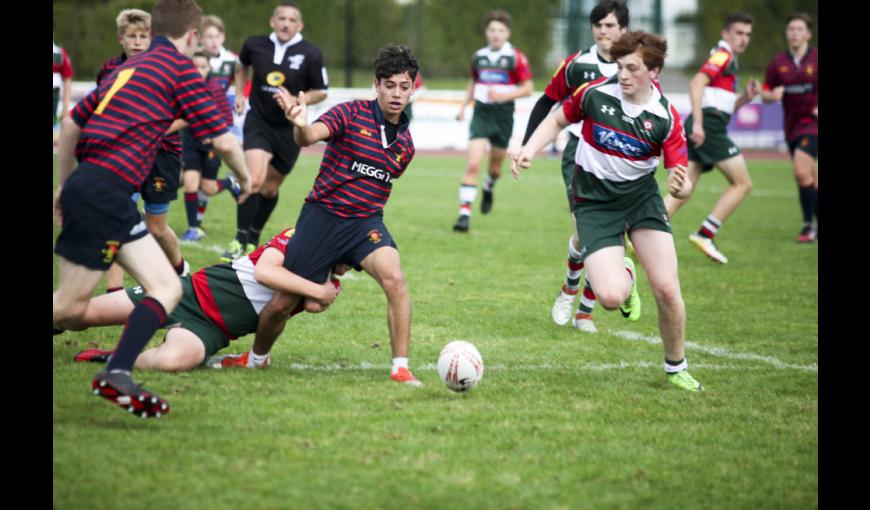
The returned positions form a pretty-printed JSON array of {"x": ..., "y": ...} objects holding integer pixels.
[
  {"x": 233, "y": 251},
  {"x": 683, "y": 380},
  {"x": 631, "y": 308}
]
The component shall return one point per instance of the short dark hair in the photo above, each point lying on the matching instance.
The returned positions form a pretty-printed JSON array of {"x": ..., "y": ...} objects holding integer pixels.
[
  {"x": 173, "y": 18},
  {"x": 652, "y": 48},
  {"x": 288, "y": 3},
  {"x": 605, "y": 7},
  {"x": 393, "y": 59},
  {"x": 737, "y": 17},
  {"x": 497, "y": 15},
  {"x": 801, "y": 16}
]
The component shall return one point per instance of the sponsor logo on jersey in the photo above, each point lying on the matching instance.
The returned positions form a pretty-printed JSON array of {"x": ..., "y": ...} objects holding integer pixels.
[
  {"x": 719, "y": 58},
  {"x": 110, "y": 251},
  {"x": 296, "y": 61},
  {"x": 275, "y": 78},
  {"x": 647, "y": 125},
  {"x": 621, "y": 143},
  {"x": 399, "y": 157},
  {"x": 375, "y": 236},
  {"x": 494, "y": 76},
  {"x": 799, "y": 88},
  {"x": 783, "y": 69},
  {"x": 371, "y": 171},
  {"x": 365, "y": 132},
  {"x": 627, "y": 119},
  {"x": 810, "y": 70}
]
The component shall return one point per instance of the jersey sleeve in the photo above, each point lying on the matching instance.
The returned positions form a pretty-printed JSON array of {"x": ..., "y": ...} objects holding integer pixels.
[
  {"x": 771, "y": 77},
  {"x": 317, "y": 72},
  {"x": 675, "y": 150},
  {"x": 197, "y": 106},
  {"x": 66, "y": 70},
  {"x": 336, "y": 119},
  {"x": 716, "y": 63},
  {"x": 558, "y": 88},
  {"x": 574, "y": 106},
  {"x": 522, "y": 71},
  {"x": 83, "y": 111}
]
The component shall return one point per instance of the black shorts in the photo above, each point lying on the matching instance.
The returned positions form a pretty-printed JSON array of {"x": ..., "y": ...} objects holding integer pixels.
[
  {"x": 323, "y": 239},
  {"x": 98, "y": 217},
  {"x": 161, "y": 187},
  {"x": 806, "y": 143},
  {"x": 277, "y": 141},
  {"x": 199, "y": 156}
]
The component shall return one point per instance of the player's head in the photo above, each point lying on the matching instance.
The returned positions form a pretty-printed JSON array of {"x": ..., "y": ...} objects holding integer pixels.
[
  {"x": 286, "y": 20},
  {"x": 640, "y": 57},
  {"x": 200, "y": 62},
  {"x": 213, "y": 36},
  {"x": 134, "y": 31},
  {"x": 609, "y": 20},
  {"x": 395, "y": 71},
  {"x": 798, "y": 30},
  {"x": 497, "y": 26},
  {"x": 737, "y": 30},
  {"x": 179, "y": 20}
]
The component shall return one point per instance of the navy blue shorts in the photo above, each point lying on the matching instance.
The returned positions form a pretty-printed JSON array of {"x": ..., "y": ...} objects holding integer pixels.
[
  {"x": 323, "y": 239},
  {"x": 806, "y": 143},
  {"x": 161, "y": 187},
  {"x": 276, "y": 140},
  {"x": 98, "y": 217},
  {"x": 199, "y": 156}
]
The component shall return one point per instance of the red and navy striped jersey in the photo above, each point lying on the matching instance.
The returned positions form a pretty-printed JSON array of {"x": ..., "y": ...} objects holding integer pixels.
[
  {"x": 125, "y": 118},
  {"x": 359, "y": 166},
  {"x": 215, "y": 85},
  {"x": 170, "y": 143}
]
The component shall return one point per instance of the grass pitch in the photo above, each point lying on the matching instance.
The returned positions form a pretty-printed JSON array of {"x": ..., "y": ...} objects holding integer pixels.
[{"x": 561, "y": 419}]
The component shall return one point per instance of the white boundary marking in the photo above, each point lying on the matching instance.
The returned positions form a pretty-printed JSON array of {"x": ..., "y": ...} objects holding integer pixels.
[{"x": 365, "y": 365}]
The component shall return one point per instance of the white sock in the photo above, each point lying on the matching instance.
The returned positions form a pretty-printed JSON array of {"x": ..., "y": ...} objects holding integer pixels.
[
  {"x": 399, "y": 363},
  {"x": 673, "y": 369},
  {"x": 255, "y": 360},
  {"x": 467, "y": 194}
]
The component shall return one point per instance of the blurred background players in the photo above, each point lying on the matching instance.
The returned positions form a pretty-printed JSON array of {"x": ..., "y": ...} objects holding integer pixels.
[
  {"x": 62, "y": 74},
  {"x": 201, "y": 162},
  {"x": 713, "y": 93},
  {"x": 281, "y": 59},
  {"x": 100, "y": 224},
  {"x": 609, "y": 20},
  {"x": 793, "y": 78},
  {"x": 500, "y": 73}
]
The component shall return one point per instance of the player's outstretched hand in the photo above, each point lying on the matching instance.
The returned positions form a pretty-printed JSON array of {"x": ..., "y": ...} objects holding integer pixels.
[
  {"x": 520, "y": 158},
  {"x": 679, "y": 184}
]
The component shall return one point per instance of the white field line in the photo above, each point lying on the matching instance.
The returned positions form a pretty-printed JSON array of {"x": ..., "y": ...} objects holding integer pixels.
[
  {"x": 335, "y": 367},
  {"x": 721, "y": 352}
]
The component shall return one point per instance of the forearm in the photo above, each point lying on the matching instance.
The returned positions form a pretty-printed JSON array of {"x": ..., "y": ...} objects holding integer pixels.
[
  {"x": 273, "y": 317},
  {"x": 546, "y": 132},
  {"x": 66, "y": 160},
  {"x": 240, "y": 78},
  {"x": 524, "y": 90},
  {"x": 539, "y": 113},
  {"x": 314, "y": 96},
  {"x": 231, "y": 152},
  {"x": 696, "y": 94},
  {"x": 469, "y": 94},
  {"x": 303, "y": 136},
  {"x": 67, "y": 94},
  {"x": 281, "y": 280}
]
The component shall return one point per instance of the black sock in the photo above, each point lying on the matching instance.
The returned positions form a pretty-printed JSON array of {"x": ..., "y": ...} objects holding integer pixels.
[
  {"x": 267, "y": 205},
  {"x": 56, "y": 331},
  {"x": 245, "y": 214},
  {"x": 674, "y": 363},
  {"x": 109, "y": 290},
  {"x": 191, "y": 203},
  {"x": 143, "y": 321},
  {"x": 808, "y": 202}
]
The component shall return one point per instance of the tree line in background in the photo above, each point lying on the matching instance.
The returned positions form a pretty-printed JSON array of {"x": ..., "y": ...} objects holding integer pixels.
[{"x": 442, "y": 33}]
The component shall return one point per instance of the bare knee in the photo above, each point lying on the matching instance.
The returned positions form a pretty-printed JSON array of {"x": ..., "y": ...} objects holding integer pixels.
[
  {"x": 167, "y": 362},
  {"x": 394, "y": 283},
  {"x": 668, "y": 294},
  {"x": 209, "y": 187},
  {"x": 610, "y": 300},
  {"x": 167, "y": 293}
]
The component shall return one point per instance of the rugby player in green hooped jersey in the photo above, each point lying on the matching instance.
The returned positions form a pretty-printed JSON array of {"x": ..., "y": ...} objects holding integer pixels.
[
  {"x": 630, "y": 125},
  {"x": 500, "y": 74},
  {"x": 609, "y": 20}
]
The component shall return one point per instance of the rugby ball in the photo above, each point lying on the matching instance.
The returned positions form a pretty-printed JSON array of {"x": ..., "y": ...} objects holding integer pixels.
[{"x": 460, "y": 365}]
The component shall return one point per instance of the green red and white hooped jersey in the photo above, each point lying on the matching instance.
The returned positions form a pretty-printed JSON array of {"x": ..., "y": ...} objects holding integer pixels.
[
  {"x": 621, "y": 141},
  {"x": 721, "y": 67},
  {"x": 576, "y": 70},
  {"x": 61, "y": 66},
  {"x": 500, "y": 71},
  {"x": 224, "y": 66}
]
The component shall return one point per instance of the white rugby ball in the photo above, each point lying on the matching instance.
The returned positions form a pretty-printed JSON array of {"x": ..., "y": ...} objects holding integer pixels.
[{"x": 460, "y": 365}]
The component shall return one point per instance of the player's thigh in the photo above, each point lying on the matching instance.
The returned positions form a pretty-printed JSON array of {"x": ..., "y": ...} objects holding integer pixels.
[
  {"x": 75, "y": 287},
  {"x": 257, "y": 161},
  {"x": 656, "y": 252},
  {"x": 605, "y": 269},
  {"x": 145, "y": 260},
  {"x": 191, "y": 180},
  {"x": 734, "y": 169},
  {"x": 108, "y": 309},
  {"x": 182, "y": 350},
  {"x": 384, "y": 265},
  {"x": 804, "y": 168}
]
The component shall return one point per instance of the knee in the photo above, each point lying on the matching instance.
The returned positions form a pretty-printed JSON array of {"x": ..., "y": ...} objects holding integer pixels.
[
  {"x": 157, "y": 225},
  {"x": 209, "y": 187},
  {"x": 610, "y": 300},
  {"x": 168, "y": 293},
  {"x": 668, "y": 294},
  {"x": 745, "y": 186},
  {"x": 394, "y": 283}
]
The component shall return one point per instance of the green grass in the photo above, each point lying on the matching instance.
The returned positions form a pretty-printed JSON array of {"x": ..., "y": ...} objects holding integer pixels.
[{"x": 561, "y": 419}]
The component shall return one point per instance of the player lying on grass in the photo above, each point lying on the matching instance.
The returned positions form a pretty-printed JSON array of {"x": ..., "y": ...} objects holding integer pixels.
[{"x": 219, "y": 303}]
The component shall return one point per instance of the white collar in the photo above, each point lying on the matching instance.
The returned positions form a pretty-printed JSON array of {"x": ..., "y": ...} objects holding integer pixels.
[
  {"x": 725, "y": 45},
  {"x": 506, "y": 49},
  {"x": 281, "y": 48},
  {"x": 653, "y": 104}
]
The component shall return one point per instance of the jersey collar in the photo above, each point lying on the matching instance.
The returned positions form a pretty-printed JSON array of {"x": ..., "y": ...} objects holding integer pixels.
[
  {"x": 725, "y": 45},
  {"x": 653, "y": 105},
  {"x": 493, "y": 55},
  {"x": 380, "y": 121},
  {"x": 281, "y": 48},
  {"x": 598, "y": 55}
]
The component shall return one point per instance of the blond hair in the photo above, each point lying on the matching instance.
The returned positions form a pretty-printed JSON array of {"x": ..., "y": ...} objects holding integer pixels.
[{"x": 137, "y": 18}]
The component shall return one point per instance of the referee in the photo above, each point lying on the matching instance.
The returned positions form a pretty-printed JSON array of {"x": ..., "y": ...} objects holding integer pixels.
[{"x": 282, "y": 58}]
